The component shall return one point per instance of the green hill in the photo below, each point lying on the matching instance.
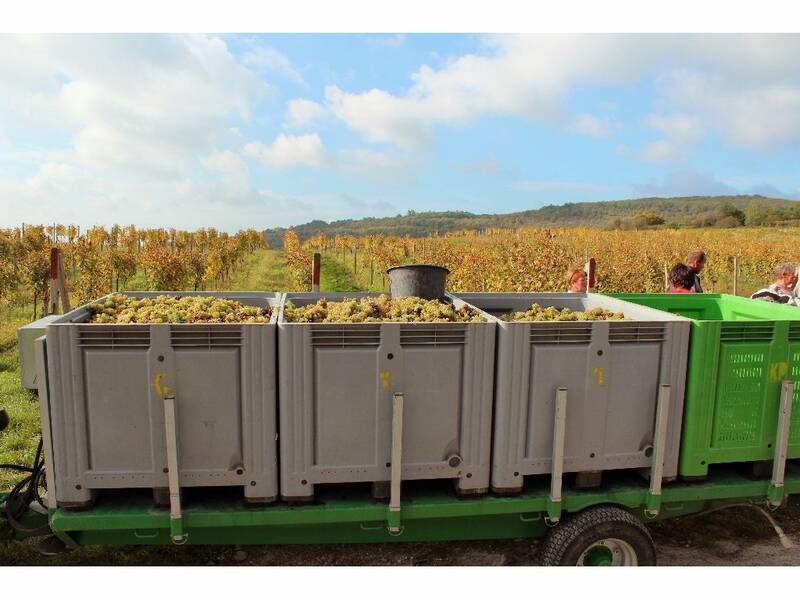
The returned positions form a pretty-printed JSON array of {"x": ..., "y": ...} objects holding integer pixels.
[{"x": 642, "y": 213}]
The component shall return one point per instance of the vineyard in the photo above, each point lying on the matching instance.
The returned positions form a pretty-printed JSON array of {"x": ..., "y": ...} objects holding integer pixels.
[
  {"x": 101, "y": 260},
  {"x": 536, "y": 259}
]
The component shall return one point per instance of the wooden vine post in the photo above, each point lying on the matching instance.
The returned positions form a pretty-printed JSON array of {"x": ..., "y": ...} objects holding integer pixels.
[{"x": 58, "y": 283}]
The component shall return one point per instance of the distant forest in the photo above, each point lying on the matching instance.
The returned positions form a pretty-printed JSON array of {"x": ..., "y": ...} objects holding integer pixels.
[{"x": 643, "y": 213}]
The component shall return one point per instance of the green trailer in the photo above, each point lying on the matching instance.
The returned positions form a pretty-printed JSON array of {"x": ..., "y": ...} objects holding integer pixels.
[
  {"x": 742, "y": 372},
  {"x": 740, "y": 352},
  {"x": 605, "y": 526}
]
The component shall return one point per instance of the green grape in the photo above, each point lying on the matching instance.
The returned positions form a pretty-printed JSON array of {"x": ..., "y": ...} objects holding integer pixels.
[
  {"x": 380, "y": 309},
  {"x": 551, "y": 313},
  {"x": 119, "y": 308}
]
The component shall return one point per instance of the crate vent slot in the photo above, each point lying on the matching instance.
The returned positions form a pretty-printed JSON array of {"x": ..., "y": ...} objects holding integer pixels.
[
  {"x": 433, "y": 335},
  {"x": 635, "y": 332},
  {"x": 205, "y": 336},
  {"x": 342, "y": 336},
  {"x": 746, "y": 332},
  {"x": 560, "y": 333},
  {"x": 114, "y": 337},
  {"x": 794, "y": 332}
]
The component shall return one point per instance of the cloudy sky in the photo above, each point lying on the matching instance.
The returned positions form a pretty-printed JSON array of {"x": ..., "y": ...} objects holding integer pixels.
[{"x": 239, "y": 131}]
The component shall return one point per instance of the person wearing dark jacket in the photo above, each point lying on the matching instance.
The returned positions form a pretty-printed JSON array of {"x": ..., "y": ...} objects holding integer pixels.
[{"x": 696, "y": 261}]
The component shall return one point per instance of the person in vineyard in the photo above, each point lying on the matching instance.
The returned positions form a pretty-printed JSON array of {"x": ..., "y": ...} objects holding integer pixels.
[
  {"x": 682, "y": 280},
  {"x": 696, "y": 261},
  {"x": 782, "y": 291},
  {"x": 577, "y": 281}
]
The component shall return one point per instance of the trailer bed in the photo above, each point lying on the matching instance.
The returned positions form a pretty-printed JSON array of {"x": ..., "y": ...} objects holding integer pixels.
[{"x": 430, "y": 512}]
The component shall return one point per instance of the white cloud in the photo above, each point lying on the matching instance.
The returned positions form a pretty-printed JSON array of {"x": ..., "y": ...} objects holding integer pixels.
[
  {"x": 290, "y": 151},
  {"x": 679, "y": 127},
  {"x": 235, "y": 186},
  {"x": 485, "y": 166},
  {"x": 266, "y": 59},
  {"x": 136, "y": 104},
  {"x": 591, "y": 125},
  {"x": 660, "y": 151},
  {"x": 531, "y": 76},
  {"x": 301, "y": 113},
  {"x": 746, "y": 112},
  {"x": 376, "y": 166}
]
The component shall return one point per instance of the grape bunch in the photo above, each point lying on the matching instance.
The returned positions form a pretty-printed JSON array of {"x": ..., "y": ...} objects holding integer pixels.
[
  {"x": 375, "y": 309},
  {"x": 551, "y": 313},
  {"x": 119, "y": 308}
]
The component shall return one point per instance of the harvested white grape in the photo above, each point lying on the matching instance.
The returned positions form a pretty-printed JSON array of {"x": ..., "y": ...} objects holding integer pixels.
[
  {"x": 381, "y": 308},
  {"x": 119, "y": 308},
  {"x": 551, "y": 313}
]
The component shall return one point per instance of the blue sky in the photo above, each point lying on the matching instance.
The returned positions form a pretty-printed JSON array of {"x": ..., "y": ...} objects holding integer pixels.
[{"x": 237, "y": 131}]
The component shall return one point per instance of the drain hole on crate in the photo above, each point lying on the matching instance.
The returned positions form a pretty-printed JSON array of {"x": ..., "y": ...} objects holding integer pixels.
[
  {"x": 591, "y": 455},
  {"x": 390, "y": 356},
  {"x": 388, "y": 464},
  {"x": 78, "y": 487},
  {"x": 304, "y": 482},
  {"x": 166, "y": 470},
  {"x": 161, "y": 358},
  {"x": 769, "y": 445},
  {"x": 599, "y": 353},
  {"x": 516, "y": 473},
  {"x": 239, "y": 471},
  {"x": 469, "y": 475},
  {"x": 648, "y": 452},
  {"x": 252, "y": 483}
]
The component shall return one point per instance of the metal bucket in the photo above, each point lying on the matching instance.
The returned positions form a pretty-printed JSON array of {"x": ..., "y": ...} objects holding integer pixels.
[{"x": 423, "y": 281}]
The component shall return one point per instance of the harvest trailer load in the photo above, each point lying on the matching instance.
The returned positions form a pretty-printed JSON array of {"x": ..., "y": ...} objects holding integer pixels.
[{"x": 195, "y": 450}]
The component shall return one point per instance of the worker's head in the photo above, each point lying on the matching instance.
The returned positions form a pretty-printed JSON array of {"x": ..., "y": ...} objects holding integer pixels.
[
  {"x": 696, "y": 260},
  {"x": 681, "y": 277},
  {"x": 577, "y": 280},
  {"x": 786, "y": 275}
]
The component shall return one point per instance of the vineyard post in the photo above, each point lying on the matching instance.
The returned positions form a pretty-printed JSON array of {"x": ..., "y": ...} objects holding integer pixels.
[
  {"x": 666, "y": 277},
  {"x": 591, "y": 266},
  {"x": 371, "y": 271},
  {"x": 735, "y": 275},
  {"x": 315, "y": 269},
  {"x": 355, "y": 261},
  {"x": 58, "y": 283}
]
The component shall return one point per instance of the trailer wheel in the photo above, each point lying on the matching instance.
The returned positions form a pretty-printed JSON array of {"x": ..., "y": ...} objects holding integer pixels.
[{"x": 599, "y": 536}]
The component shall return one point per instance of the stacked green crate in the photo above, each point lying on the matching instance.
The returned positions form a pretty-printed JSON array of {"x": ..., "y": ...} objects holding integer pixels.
[{"x": 739, "y": 353}]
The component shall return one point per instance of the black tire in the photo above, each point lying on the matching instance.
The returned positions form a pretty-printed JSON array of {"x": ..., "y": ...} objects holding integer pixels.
[{"x": 566, "y": 543}]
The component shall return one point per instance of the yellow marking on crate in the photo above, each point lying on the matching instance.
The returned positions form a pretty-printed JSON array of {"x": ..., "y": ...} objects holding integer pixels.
[
  {"x": 162, "y": 390},
  {"x": 385, "y": 377},
  {"x": 778, "y": 371},
  {"x": 598, "y": 373}
]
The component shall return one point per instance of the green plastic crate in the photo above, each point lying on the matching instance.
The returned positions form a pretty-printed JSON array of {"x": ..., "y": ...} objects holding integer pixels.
[{"x": 739, "y": 352}]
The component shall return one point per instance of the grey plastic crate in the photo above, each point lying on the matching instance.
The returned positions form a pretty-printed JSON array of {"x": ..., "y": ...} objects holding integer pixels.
[
  {"x": 26, "y": 337},
  {"x": 336, "y": 384},
  {"x": 107, "y": 415},
  {"x": 612, "y": 371}
]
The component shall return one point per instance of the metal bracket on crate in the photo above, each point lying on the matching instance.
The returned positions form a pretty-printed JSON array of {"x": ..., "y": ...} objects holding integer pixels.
[
  {"x": 653, "y": 505},
  {"x": 176, "y": 527},
  {"x": 397, "y": 465},
  {"x": 557, "y": 470},
  {"x": 776, "y": 493}
]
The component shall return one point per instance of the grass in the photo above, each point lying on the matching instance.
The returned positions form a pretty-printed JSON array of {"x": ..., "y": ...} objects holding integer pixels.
[
  {"x": 18, "y": 442},
  {"x": 335, "y": 277},
  {"x": 264, "y": 270},
  {"x": 358, "y": 279}
]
